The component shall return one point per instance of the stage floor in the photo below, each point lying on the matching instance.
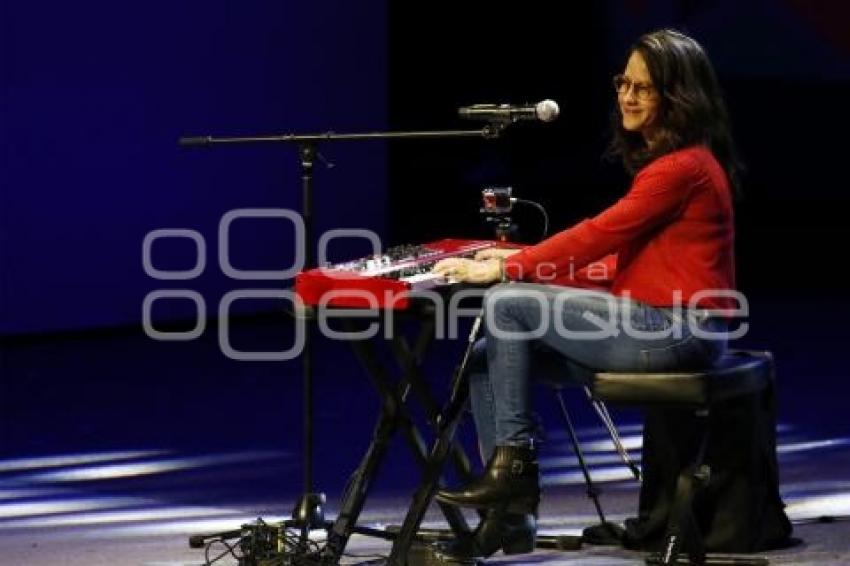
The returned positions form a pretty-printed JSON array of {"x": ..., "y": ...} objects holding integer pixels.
[
  {"x": 116, "y": 448},
  {"x": 139, "y": 508}
]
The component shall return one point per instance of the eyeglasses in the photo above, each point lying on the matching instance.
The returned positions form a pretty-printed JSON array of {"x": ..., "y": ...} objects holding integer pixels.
[{"x": 643, "y": 91}]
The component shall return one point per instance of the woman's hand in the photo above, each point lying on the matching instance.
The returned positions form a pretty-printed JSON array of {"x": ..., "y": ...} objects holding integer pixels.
[
  {"x": 470, "y": 271},
  {"x": 496, "y": 253}
]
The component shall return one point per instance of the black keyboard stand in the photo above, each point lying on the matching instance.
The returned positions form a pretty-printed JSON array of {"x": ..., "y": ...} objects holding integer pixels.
[{"x": 394, "y": 418}]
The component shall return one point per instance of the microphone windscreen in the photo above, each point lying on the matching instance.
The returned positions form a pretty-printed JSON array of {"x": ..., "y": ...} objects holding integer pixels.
[{"x": 547, "y": 110}]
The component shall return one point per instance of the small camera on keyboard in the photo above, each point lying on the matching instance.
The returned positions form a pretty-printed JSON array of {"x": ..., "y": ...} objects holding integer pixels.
[
  {"x": 497, "y": 204},
  {"x": 496, "y": 201}
]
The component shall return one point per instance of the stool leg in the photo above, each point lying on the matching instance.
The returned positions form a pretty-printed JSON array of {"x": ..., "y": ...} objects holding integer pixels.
[
  {"x": 683, "y": 532},
  {"x": 592, "y": 492},
  {"x": 682, "y": 529},
  {"x": 606, "y": 419}
]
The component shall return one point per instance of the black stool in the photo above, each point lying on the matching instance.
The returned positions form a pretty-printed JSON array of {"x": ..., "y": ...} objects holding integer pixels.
[{"x": 738, "y": 373}]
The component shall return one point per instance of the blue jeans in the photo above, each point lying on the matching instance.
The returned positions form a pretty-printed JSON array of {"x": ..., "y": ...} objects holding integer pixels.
[{"x": 566, "y": 334}]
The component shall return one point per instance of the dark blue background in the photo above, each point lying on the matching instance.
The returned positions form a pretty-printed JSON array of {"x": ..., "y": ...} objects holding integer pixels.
[{"x": 95, "y": 96}]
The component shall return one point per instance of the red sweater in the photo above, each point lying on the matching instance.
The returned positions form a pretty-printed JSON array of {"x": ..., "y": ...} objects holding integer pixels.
[{"x": 672, "y": 232}]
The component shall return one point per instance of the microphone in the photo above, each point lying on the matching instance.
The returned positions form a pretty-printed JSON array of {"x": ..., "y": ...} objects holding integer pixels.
[{"x": 545, "y": 111}]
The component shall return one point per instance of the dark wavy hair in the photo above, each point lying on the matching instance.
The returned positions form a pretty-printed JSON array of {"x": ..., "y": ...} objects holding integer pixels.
[{"x": 691, "y": 108}]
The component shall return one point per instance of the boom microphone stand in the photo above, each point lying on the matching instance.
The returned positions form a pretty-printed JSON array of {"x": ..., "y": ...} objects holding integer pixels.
[{"x": 308, "y": 514}]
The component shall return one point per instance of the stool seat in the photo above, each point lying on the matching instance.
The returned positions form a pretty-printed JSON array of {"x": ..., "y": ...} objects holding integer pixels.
[{"x": 739, "y": 372}]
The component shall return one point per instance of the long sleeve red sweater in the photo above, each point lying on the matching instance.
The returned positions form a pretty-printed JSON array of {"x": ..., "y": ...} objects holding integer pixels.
[{"x": 672, "y": 233}]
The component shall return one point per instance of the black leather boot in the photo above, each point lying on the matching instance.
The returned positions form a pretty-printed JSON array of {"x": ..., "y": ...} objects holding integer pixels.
[
  {"x": 508, "y": 532},
  {"x": 510, "y": 483}
]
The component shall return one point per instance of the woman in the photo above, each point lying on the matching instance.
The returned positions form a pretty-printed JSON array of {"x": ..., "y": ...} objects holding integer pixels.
[{"x": 669, "y": 243}]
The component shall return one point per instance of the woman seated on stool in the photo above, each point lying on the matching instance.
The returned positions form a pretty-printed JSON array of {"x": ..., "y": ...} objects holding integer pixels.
[{"x": 669, "y": 241}]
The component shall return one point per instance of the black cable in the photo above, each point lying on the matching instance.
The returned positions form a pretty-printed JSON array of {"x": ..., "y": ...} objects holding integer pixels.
[
  {"x": 230, "y": 550},
  {"x": 293, "y": 552},
  {"x": 542, "y": 211},
  {"x": 292, "y": 545}
]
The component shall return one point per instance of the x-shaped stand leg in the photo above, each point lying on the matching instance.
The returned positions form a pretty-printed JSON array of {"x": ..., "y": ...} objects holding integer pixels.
[
  {"x": 394, "y": 417},
  {"x": 446, "y": 426}
]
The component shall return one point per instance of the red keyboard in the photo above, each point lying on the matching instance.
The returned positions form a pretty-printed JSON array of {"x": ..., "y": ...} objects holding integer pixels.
[{"x": 387, "y": 280}]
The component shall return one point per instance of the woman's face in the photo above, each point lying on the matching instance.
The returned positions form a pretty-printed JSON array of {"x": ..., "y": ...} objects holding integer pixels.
[{"x": 637, "y": 97}]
